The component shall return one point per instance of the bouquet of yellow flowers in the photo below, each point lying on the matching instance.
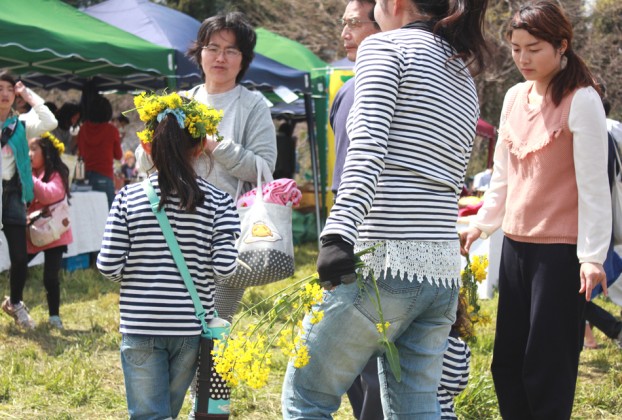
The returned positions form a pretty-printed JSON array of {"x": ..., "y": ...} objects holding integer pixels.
[
  {"x": 245, "y": 356},
  {"x": 199, "y": 119},
  {"x": 472, "y": 275}
]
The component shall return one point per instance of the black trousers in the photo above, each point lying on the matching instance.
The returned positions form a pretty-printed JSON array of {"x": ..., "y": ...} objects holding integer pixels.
[
  {"x": 602, "y": 320},
  {"x": 364, "y": 394},
  {"x": 53, "y": 258},
  {"x": 539, "y": 335},
  {"x": 16, "y": 243}
]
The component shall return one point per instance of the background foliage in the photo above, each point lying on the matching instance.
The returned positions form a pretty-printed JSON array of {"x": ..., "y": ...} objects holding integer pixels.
[{"x": 597, "y": 24}]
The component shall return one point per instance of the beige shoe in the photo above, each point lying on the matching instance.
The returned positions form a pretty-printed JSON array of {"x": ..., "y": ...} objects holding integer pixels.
[{"x": 19, "y": 313}]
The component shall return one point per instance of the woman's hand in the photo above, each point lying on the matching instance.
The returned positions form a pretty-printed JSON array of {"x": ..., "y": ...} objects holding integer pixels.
[
  {"x": 210, "y": 143},
  {"x": 22, "y": 90},
  {"x": 467, "y": 237},
  {"x": 591, "y": 275}
]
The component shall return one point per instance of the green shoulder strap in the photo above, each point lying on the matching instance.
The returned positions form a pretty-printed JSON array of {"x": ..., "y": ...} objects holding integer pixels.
[{"x": 176, "y": 252}]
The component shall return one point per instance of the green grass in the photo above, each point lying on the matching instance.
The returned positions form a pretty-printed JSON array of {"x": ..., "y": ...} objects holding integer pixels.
[{"x": 76, "y": 373}]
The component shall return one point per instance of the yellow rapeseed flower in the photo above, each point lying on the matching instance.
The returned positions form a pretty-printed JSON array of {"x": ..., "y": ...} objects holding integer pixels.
[
  {"x": 316, "y": 316},
  {"x": 381, "y": 328},
  {"x": 302, "y": 356}
]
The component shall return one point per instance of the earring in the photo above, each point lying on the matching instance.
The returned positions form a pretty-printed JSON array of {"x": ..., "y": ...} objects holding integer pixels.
[{"x": 564, "y": 62}]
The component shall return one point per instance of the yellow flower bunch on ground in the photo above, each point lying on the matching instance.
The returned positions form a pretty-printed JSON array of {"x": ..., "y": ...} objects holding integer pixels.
[
  {"x": 472, "y": 275},
  {"x": 199, "y": 119},
  {"x": 246, "y": 355}
]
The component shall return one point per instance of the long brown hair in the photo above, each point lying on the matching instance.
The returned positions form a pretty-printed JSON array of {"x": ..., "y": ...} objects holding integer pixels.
[
  {"x": 173, "y": 152},
  {"x": 547, "y": 21}
]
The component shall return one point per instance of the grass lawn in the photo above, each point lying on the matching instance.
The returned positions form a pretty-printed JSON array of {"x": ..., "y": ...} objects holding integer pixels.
[{"x": 76, "y": 373}]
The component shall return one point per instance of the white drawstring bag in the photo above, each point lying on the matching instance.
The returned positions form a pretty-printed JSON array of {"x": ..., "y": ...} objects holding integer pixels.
[{"x": 265, "y": 246}]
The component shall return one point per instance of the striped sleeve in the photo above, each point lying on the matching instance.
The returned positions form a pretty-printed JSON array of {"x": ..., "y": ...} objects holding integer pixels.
[
  {"x": 411, "y": 130},
  {"x": 115, "y": 242},
  {"x": 377, "y": 74},
  {"x": 455, "y": 375}
]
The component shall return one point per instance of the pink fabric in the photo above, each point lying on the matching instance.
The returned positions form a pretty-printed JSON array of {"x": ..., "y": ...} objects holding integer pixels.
[{"x": 280, "y": 191}]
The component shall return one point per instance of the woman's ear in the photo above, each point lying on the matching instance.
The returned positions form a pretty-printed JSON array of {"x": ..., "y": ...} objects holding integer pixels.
[{"x": 563, "y": 46}]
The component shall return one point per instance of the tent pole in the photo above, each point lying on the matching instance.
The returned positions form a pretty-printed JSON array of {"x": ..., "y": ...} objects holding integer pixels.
[{"x": 314, "y": 163}]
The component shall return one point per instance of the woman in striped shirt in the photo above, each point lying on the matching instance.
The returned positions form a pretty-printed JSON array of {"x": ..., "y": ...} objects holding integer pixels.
[
  {"x": 161, "y": 333},
  {"x": 411, "y": 130}
]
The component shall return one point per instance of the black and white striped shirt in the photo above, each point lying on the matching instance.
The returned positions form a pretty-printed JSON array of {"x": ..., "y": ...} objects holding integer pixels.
[
  {"x": 411, "y": 130},
  {"x": 154, "y": 299},
  {"x": 455, "y": 376}
]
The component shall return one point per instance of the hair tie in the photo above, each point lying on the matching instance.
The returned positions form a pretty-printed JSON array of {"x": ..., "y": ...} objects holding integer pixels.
[{"x": 176, "y": 112}]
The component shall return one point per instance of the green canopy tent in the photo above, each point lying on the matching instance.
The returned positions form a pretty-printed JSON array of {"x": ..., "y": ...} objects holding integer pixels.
[
  {"x": 296, "y": 55},
  {"x": 50, "y": 43}
]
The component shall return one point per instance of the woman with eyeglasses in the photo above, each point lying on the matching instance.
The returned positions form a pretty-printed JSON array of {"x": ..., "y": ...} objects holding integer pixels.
[{"x": 224, "y": 50}]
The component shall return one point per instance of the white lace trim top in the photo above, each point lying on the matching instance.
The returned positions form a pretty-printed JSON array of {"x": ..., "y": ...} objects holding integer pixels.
[{"x": 436, "y": 262}]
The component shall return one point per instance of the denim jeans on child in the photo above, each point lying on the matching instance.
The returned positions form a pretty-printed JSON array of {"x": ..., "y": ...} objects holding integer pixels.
[
  {"x": 341, "y": 344},
  {"x": 157, "y": 371}
]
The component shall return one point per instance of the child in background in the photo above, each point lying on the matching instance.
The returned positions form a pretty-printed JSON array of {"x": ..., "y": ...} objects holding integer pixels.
[
  {"x": 456, "y": 362},
  {"x": 160, "y": 332},
  {"x": 50, "y": 177},
  {"x": 128, "y": 169}
]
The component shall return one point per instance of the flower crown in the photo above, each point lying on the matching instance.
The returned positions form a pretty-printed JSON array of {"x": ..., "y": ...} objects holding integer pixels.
[
  {"x": 58, "y": 145},
  {"x": 199, "y": 119}
]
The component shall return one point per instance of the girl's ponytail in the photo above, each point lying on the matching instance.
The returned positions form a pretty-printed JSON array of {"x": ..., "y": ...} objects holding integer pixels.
[
  {"x": 461, "y": 23},
  {"x": 172, "y": 153}
]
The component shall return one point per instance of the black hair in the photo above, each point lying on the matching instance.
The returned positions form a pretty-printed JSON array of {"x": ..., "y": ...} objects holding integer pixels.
[
  {"x": 172, "y": 152},
  {"x": 51, "y": 106},
  {"x": 547, "y": 21},
  {"x": 461, "y": 23},
  {"x": 370, "y": 15},
  {"x": 66, "y": 112},
  {"x": 53, "y": 163},
  {"x": 245, "y": 38},
  {"x": 5, "y": 76},
  {"x": 99, "y": 110}
]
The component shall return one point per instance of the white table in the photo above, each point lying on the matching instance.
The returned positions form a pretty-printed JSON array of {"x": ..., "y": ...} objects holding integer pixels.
[{"x": 88, "y": 212}]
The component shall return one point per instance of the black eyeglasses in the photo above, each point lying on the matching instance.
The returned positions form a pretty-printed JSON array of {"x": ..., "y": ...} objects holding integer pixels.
[
  {"x": 214, "y": 51},
  {"x": 353, "y": 23}
]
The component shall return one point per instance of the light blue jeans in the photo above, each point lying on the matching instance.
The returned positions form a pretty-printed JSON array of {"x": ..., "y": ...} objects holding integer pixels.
[
  {"x": 157, "y": 371},
  {"x": 420, "y": 314}
]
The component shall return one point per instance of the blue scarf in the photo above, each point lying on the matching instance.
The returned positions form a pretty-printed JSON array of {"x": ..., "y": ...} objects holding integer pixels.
[{"x": 19, "y": 146}]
